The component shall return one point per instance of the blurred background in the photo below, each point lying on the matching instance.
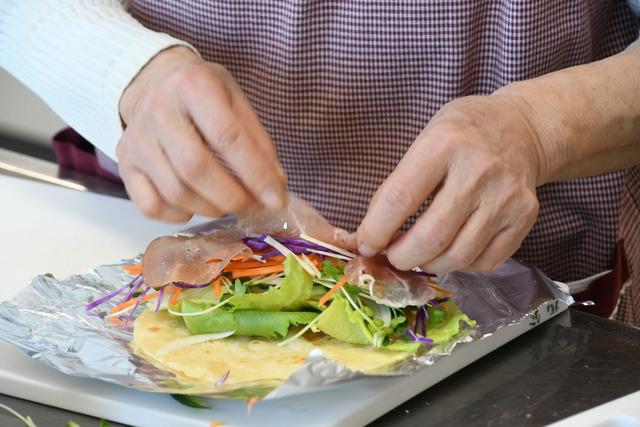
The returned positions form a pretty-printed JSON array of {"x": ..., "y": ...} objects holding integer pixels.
[{"x": 25, "y": 119}]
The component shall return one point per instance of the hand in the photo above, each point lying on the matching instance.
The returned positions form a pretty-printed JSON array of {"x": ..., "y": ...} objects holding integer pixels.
[
  {"x": 178, "y": 111},
  {"x": 480, "y": 159}
]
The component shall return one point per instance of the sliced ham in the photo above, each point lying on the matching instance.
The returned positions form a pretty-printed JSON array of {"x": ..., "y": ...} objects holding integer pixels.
[
  {"x": 389, "y": 286},
  {"x": 184, "y": 259}
]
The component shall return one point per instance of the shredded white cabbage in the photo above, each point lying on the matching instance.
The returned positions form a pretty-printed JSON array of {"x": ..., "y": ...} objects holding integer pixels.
[
  {"x": 191, "y": 340},
  {"x": 331, "y": 254},
  {"x": 328, "y": 245},
  {"x": 286, "y": 252}
]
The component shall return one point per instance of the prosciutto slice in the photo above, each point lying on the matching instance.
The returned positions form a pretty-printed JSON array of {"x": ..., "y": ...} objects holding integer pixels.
[
  {"x": 297, "y": 218},
  {"x": 388, "y": 285},
  {"x": 184, "y": 259}
]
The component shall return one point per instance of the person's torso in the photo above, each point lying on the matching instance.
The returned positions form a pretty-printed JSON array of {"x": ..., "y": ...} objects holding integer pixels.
[{"x": 344, "y": 87}]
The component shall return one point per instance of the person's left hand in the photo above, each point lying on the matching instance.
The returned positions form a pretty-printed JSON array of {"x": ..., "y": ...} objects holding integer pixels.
[{"x": 480, "y": 158}]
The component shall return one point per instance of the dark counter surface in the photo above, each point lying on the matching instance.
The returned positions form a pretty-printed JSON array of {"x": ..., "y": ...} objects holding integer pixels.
[{"x": 567, "y": 365}]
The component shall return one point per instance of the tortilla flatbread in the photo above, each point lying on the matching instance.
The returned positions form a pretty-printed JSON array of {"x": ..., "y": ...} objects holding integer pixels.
[{"x": 249, "y": 360}]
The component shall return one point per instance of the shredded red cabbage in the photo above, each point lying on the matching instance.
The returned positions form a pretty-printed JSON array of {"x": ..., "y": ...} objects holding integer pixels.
[
  {"x": 222, "y": 379},
  {"x": 437, "y": 301},
  {"x": 420, "y": 324},
  {"x": 294, "y": 245},
  {"x": 93, "y": 304},
  {"x": 184, "y": 285},
  {"x": 256, "y": 243},
  {"x": 135, "y": 307},
  {"x": 418, "y": 338},
  {"x": 134, "y": 289},
  {"x": 424, "y": 273},
  {"x": 160, "y": 296}
]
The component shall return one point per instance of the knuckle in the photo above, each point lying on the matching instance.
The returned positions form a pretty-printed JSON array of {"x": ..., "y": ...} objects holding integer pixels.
[
  {"x": 220, "y": 72},
  {"x": 198, "y": 79},
  {"x": 151, "y": 206},
  {"x": 152, "y": 101},
  {"x": 401, "y": 261},
  {"x": 533, "y": 207},
  {"x": 227, "y": 138},
  {"x": 487, "y": 169},
  {"x": 399, "y": 196},
  {"x": 190, "y": 166},
  {"x": 459, "y": 259},
  {"x": 449, "y": 129},
  {"x": 236, "y": 203},
  {"x": 176, "y": 193},
  {"x": 122, "y": 151},
  {"x": 367, "y": 237},
  {"x": 177, "y": 217},
  {"x": 189, "y": 77},
  {"x": 430, "y": 242},
  {"x": 486, "y": 265}
]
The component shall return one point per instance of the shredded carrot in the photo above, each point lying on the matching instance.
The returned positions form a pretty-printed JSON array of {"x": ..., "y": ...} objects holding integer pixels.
[
  {"x": 115, "y": 321},
  {"x": 250, "y": 263},
  {"x": 250, "y": 403},
  {"x": 436, "y": 288},
  {"x": 174, "y": 297},
  {"x": 315, "y": 259},
  {"x": 248, "y": 272},
  {"x": 216, "y": 424},
  {"x": 235, "y": 258},
  {"x": 133, "y": 270},
  {"x": 410, "y": 315},
  {"x": 217, "y": 290},
  {"x": 242, "y": 265},
  {"x": 333, "y": 290},
  {"x": 146, "y": 298},
  {"x": 132, "y": 301}
]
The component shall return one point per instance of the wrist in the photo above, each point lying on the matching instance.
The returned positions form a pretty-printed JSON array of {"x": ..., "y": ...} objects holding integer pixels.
[{"x": 547, "y": 155}]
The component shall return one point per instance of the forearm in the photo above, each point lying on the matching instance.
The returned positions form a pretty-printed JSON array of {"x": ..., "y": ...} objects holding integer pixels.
[
  {"x": 78, "y": 56},
  {"x": 585, "y": 119}
]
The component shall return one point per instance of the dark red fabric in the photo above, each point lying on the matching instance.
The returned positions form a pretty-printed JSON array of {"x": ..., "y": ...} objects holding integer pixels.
[
  {"x": 605, "y": 291},
  {"x": 76, "y": 153}
]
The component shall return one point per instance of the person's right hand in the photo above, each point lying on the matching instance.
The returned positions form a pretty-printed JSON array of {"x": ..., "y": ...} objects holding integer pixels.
[{"x": 178, "y": 111}]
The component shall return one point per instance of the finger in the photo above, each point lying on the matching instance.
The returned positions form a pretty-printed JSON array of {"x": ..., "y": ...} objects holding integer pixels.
[
  {"x": 435, "y": 229},
  {"x": 503, "y": 245},
  {"x": 146, "y": 198},
  {"x": 520, "y": 214},
  {"x": 401, "y": 194},
  {"x": 231, "y": 136},
  {"x": 261, "y": 136},
  {"x": 196, "y": 166},
  {"x": 174, "y": 192},
  {"x": 469, "y": 243}
]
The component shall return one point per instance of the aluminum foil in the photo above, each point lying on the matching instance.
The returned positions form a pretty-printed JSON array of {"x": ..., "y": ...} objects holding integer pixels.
[{"x": 49, "y": 322}]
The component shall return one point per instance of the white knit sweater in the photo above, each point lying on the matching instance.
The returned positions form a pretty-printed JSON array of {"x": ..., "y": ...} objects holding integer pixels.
[{"x": 79, "y": 56}]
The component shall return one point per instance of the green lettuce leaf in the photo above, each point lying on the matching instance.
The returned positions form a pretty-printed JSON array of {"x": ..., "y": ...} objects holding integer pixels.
[
  {"x": 292, "y": 294},
  {"x": 409, "y": 347},
  {"x": 441, "y": 328},
  {"x": 267, "y": 324},
  {"x": 343, "y": 323},
  {"x": 329, "y": 269}
]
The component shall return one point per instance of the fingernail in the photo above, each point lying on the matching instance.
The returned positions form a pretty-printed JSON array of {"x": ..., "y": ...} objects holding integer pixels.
[
  {"x": 271, "y": 198},
  {"x": 367, "y": 251}
]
